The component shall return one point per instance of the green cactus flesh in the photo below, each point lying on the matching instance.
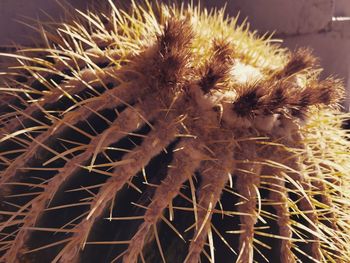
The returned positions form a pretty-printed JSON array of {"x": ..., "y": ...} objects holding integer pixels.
[{"x": 170, "y": 134}]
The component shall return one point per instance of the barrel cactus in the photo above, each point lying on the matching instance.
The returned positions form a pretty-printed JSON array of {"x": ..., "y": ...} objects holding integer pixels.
[{"x": 170, "y": 134}]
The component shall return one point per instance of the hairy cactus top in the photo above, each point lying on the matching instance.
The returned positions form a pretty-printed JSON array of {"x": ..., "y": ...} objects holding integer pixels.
[{"x": 170, "y": 134}]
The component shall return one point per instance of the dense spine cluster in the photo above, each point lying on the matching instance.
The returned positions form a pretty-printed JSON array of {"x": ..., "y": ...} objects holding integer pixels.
[{"x": 170, "y": 134}]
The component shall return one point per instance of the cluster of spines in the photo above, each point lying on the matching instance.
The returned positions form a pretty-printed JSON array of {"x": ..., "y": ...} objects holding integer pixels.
[{"x": 165, "y": 71}]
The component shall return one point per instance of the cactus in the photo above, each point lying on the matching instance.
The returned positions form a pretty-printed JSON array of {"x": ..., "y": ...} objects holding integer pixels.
[{"x": 170, "y": 134}]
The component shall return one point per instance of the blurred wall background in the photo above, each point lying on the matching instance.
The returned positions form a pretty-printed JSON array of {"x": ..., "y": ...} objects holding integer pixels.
[
  {"x": 324, "y": 25},
  {"x": 13, "y": 11}
]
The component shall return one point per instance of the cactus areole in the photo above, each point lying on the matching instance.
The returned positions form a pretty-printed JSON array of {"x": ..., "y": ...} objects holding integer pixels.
[{"x": 170, "y": 134}]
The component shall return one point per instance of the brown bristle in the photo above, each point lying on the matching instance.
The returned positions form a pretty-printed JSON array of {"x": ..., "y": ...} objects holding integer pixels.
[
  {"x": 208, "y": 81},
  {"x": 176, "y": 37},
  {"x": 277, "y": 99},
  {"x": 248, "y": 102},
  {"x": 174, "y": 51},
  {"x": 326, "y": 92},
  {"x": 299, "y": 102},
  {"x": 299, "y": 60},
  {"x": 223, "y": 51},
  {"x": 218, "y": 67},
  {"x": 330, "y": 91},
  {"x": 305, "y": 99}
]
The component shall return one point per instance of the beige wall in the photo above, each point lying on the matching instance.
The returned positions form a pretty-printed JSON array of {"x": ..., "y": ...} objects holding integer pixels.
[{"x": 283, "y": 16}]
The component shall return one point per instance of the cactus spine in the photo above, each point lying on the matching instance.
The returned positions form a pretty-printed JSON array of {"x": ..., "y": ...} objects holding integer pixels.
[{"x": 170, "y": 134}]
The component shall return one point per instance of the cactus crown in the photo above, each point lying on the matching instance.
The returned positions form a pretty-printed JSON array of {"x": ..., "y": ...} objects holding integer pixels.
[{"x": 170, "y": 127}]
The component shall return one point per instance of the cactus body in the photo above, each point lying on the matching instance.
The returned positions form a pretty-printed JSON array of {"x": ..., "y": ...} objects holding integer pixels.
[{"x": 170, "y": 134}]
